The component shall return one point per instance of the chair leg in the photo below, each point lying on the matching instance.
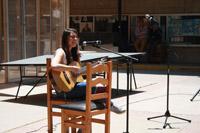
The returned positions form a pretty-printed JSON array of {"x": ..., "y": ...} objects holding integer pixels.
[
  {"x": 87, "y": 128},
  {"x": 64, "y": 129},
  {"x": 50, "y": 121},
  {"x": 107, "y": 123}
]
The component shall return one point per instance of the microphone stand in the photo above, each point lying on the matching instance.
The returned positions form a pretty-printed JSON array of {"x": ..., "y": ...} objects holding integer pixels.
[{"x": 129, "y": 60}]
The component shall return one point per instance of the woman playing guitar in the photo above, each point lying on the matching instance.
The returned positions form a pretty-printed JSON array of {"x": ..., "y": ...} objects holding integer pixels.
[{"x": 69, "y": 54}]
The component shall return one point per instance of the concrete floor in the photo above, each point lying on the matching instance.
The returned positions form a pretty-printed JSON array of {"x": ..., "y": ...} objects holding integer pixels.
[{"x": 148, "y": 100}]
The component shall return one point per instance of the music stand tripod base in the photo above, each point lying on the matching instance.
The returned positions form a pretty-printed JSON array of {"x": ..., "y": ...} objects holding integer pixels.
[{"x": 167, "y": 115}]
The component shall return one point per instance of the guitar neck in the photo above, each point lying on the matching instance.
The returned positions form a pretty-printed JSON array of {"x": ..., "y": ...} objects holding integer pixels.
[{"x": 84, "y": 69}]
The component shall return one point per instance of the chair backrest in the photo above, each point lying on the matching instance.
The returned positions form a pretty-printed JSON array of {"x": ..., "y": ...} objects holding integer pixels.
[
  {"x": 49, "y": 96},
  {"x": 104, "y": 81},
  {"x": 52, "y": 100},
  {"x": 53, "y": 85}
]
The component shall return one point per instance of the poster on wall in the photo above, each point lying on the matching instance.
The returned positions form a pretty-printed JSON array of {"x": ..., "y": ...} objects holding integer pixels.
[
  {"x": 82, "y": 24},
  {"x": 86, "y": 24},
  {"x": 86, "y": 27}
]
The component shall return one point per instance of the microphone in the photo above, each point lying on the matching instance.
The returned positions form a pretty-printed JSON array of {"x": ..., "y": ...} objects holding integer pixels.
[{"x": 93, "y": 43}]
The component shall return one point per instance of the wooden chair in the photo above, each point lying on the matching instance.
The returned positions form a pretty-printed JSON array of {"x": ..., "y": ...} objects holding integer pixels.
[
  {"x": 81, "y": 114},
  {"x": 52, "y": 99}
]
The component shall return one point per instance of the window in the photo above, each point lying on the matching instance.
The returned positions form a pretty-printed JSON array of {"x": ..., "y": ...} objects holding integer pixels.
[{"x": 184, "y": 29}]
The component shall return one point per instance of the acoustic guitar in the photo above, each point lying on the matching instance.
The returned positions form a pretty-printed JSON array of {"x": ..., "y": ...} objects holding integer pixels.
[{"x": 66, "y": 80}]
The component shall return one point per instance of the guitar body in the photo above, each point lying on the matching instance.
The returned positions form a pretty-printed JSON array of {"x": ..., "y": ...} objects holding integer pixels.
[{"x": 66, "y": 80}]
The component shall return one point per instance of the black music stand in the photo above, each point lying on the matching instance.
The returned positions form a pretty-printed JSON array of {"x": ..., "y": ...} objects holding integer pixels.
[
  {"x": 129, "y": 60},
  {"x": 167, "y": 113},
  {"x": 195, "y": 95}
]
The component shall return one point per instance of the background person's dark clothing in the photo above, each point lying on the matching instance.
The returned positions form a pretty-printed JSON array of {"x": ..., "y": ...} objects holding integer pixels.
[{"x": 154, "y": 38}]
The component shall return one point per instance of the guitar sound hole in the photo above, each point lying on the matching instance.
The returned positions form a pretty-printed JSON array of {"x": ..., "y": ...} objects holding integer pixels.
[{"x": 66, "y": 77}]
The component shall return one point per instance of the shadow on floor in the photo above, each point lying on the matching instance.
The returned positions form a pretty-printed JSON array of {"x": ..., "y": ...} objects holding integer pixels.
[
  {"x": 40, "y": 99},
  {"x": 6, "y": 95},
  {"x": 121, "y": 93}
]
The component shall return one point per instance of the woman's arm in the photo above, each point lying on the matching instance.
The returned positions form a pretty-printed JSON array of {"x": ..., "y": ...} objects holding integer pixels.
[{"x": 59, "y": 64}]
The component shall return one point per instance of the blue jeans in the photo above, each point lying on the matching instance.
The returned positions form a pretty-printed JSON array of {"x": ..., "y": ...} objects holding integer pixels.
[{"x": 78, "y": 92}]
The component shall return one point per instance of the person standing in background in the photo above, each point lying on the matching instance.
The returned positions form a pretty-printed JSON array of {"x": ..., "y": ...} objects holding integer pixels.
[
  {"x": 141, "y": 34},
  {"x": 154, "y": 35}
]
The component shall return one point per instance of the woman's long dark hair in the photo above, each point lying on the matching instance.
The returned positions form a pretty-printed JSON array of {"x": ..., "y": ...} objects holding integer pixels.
[{"x": 74, "y": 53}]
